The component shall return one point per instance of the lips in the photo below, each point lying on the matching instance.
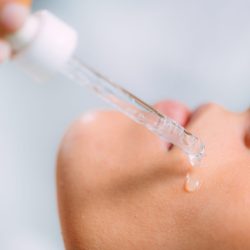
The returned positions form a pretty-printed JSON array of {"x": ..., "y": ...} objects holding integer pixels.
[{"x": 176, "y": 111}]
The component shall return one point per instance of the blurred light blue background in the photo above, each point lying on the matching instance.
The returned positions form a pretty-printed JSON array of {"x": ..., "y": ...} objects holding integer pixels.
[{"x": 193, "y": 51}]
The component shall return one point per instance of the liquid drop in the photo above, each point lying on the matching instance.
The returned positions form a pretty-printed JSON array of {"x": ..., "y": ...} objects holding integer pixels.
[{"x": 192, "y": 184}]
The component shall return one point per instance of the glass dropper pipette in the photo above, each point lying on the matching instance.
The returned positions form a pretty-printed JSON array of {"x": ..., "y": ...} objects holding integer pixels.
[
  {"x": 45, "y": 45},
  {"x": 139, "y": 111}
]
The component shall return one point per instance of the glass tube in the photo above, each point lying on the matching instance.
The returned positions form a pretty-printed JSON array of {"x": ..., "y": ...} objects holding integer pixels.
[{"x": 142, "y": 113}]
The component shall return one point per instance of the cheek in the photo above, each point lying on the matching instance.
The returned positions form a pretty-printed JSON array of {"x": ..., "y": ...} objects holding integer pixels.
[{"x": 225, "y": 214}]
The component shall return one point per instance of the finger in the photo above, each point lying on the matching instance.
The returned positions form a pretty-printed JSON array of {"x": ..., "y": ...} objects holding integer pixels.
[
  {"x": 13, "y": 15},
  {"x": 24, "y": 2},
  {"x": 175, "y": 110},
  {"x": 5, "y": 51}
]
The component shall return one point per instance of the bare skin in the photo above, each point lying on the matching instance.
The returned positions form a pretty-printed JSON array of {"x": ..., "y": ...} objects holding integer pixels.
[
  {"x": 13, "y": 14},
  {"x": 119, "y": 188},
  {"x": 5, "y": 28}
]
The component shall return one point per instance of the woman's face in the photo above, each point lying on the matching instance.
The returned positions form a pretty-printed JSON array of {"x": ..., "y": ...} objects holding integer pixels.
[{"x": 119, "y": 188}]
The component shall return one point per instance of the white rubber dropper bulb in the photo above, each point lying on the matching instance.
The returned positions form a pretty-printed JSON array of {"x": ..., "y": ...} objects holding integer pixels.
[{"x": 43, "y": 45}]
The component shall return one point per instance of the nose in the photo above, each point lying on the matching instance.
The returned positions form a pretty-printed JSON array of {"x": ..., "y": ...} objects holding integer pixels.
[{"x": 208, "y": 107}]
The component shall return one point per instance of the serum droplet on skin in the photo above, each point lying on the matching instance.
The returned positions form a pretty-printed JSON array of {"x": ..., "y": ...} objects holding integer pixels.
[{"x": 192, "y": 184}]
